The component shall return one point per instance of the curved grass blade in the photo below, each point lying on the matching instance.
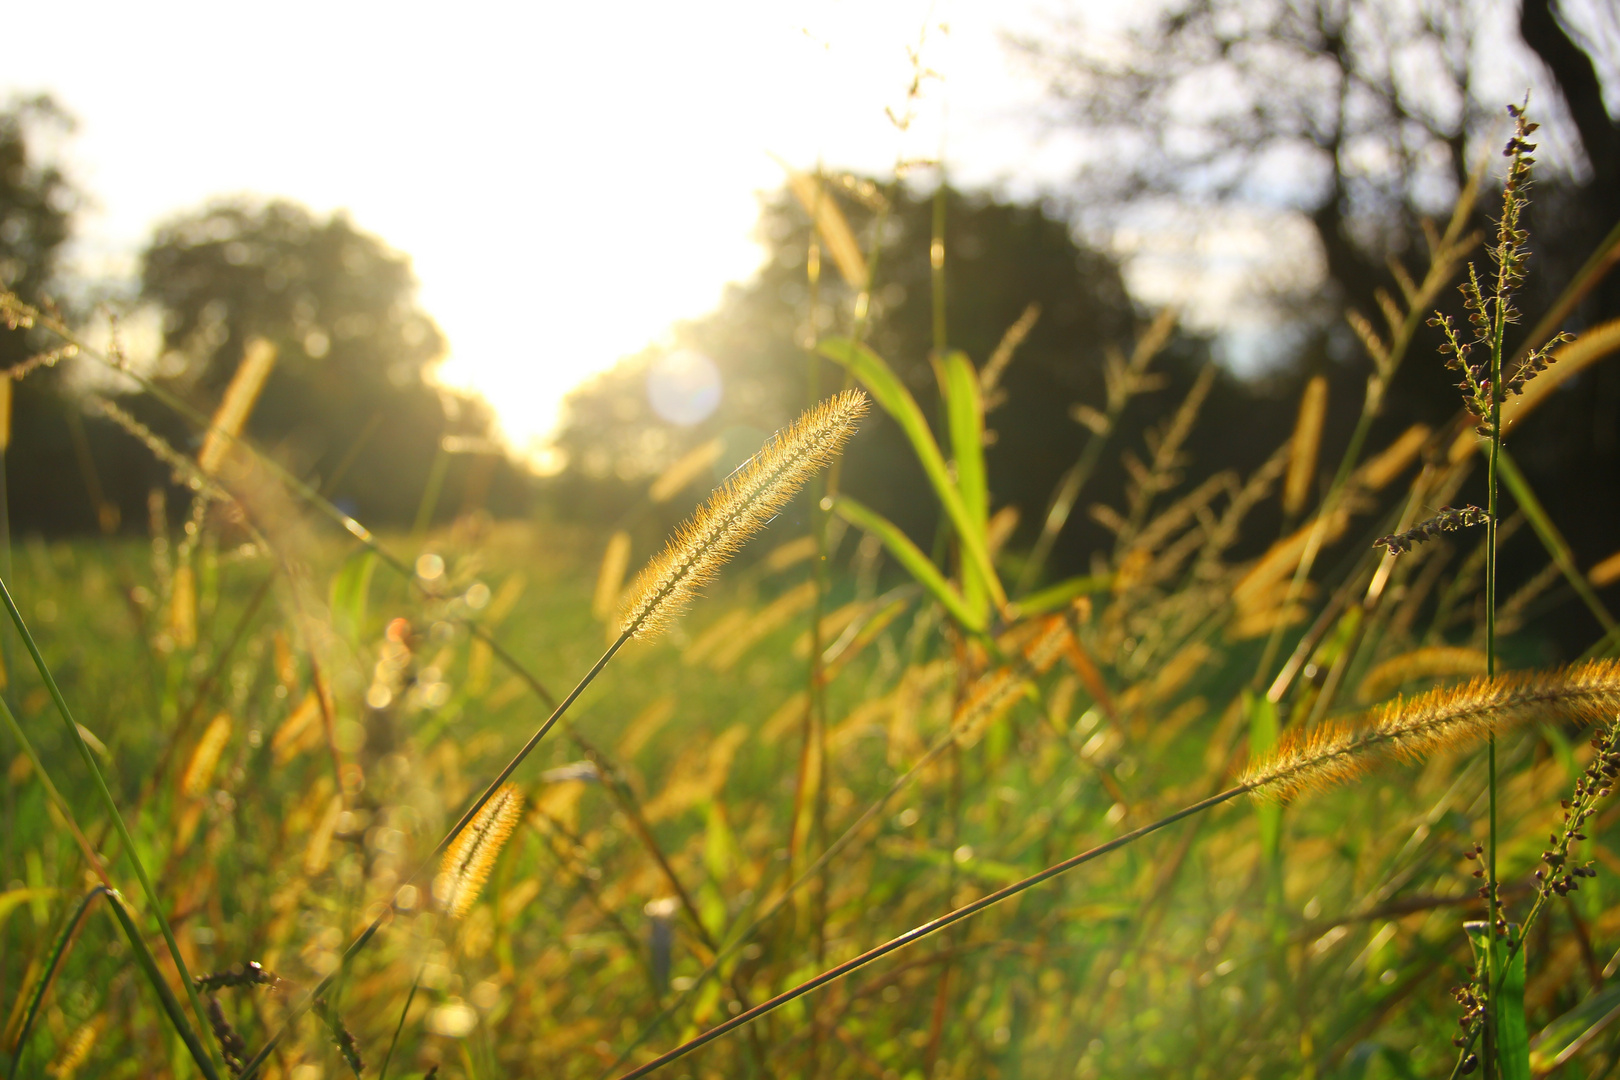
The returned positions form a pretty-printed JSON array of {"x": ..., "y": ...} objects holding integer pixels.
[
  {"x": 143, "y": 957},
  {"x": 964, "y": 418},
  {"x": 48, "y": 976},
  {"x": 910, "y": 556},
  {"x": 889, "y": 392},
  {"x": 111, "y": 807},
  {"x": 1058, "y": 596}
]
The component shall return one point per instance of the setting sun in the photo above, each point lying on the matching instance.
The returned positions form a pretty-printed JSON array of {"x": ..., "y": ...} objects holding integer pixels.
[{"x": 568, "y": 180}]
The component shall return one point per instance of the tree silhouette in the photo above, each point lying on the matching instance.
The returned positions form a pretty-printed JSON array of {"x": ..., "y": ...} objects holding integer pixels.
[
  {"x": 36, "y": 217},
  {"x": 355, "y": 350},
  {"x": 999, "y": 258}
]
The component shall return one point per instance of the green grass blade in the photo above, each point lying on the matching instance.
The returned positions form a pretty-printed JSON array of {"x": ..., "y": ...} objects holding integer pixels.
[
  {"x": 143, "y": 957},
  {"x": 964, "y": 417},
  {"x": 111, "y": 807},
  {"x": 171, "y": 1004},
  {"x": 1512, "y": 1034},
  {"x": 910, "y": 556},
  {"x": 1554, "y": 542},
  {"x": 1057, "y": 596},
  {"x": 889, "y": 392},
  {"x": 1566, "y": 1036}
]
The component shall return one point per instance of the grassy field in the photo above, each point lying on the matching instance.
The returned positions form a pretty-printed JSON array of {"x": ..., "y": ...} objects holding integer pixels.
[
  {"x": 299, "y": 724},
  {"x": 1330, "y": 930}
]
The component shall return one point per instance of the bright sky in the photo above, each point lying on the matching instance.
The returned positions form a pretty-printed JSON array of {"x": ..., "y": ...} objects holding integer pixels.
[{"x": 568, "y": 178}]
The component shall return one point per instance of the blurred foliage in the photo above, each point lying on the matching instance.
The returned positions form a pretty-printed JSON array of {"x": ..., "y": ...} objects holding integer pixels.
[
  {"x": 1000, "y": 257},
  {"x": 1366, "y": 116},
  {"x": 351, "y": 388},
  {"x": 354, "y": 350}
]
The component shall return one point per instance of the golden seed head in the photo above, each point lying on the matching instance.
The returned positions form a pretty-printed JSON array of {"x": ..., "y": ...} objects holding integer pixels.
[
  {"x": 199, "y": 770},
  {"x": 1450, "y": 718},
  {"x": 472, "y": 856},
  {"x": 739, "y": 508}
]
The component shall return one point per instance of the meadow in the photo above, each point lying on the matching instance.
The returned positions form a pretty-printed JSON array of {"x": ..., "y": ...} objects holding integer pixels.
[{"x": 1296, "y": 763}]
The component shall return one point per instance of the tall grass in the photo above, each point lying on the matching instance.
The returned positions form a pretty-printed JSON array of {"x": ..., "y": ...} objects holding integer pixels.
[{"x": 908, "y": 823}]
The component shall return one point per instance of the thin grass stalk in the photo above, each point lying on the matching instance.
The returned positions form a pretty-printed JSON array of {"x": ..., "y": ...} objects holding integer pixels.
[
  {"x": 111, "y": 807},
  {"x": 91, "y": 855},
  {"x": 1057, "y": 514},
  {"x": 7, "y": 669},
  {"x": 926, "y": 930},
  {"x": 1443, "y": 256},
  {"x": 382, "y": 1070},
  {"x": 946, "y": 742},
  {"x": 257, "y": 1061}
]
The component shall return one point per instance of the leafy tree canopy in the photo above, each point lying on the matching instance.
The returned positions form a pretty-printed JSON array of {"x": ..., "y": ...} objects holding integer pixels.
[
  {"x": 999, "y": 258},
  {"x": 355, "y": 349},
  {"x": 1366, "y": 115}
]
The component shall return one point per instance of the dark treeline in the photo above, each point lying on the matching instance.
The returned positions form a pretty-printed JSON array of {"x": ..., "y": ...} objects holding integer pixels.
[{"x": 349, "y": 404}]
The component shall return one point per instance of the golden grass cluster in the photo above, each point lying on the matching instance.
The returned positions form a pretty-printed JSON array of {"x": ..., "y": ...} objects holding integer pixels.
[
  {"x": 737, "y": 510},
  {"x": 1450, "y": 718}
]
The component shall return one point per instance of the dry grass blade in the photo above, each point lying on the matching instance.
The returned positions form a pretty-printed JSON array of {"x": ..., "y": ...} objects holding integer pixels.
[
  {"x": 1303, "y": 449},
  {"x": 687, "y": 468},
  {"x": 832, "y": 227},
  {"x": 610, "y": 578},
  {"x": 1606, "y": 572},
  {"x": 737, "y": 510},
  {"x": 238, "y": 402}
]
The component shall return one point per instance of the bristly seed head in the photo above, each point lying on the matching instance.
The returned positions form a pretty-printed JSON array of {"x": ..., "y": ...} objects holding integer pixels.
[
  {"x": 738, "y": 509},
  {"x": 1451, "y": 718},
  {"x": 469, "y": 860}
]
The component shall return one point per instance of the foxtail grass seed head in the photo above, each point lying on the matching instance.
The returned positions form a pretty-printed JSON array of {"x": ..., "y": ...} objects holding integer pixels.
[
  {"x": 1304, "y": 446},
  {"x": 199, "y": 771},
  {"x": 1452, "y": 718},
  {"x": 472, "y": 856},
  {"x": 237, "y": 403},
  {"x": 738, "y": 509},
  {"x": 1429, "y": 662}
]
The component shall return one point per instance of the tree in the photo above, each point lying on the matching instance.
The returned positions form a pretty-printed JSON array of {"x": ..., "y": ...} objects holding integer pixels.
[
  {"x": 1362, "y": 114},
  {"x": 999, "y": 258},
  {"x": 355, "y": 351},
  {"x": 1365, "y": 116},
  {"x": 37, "y": 203},
  {"x": 36, "y": 200}
]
